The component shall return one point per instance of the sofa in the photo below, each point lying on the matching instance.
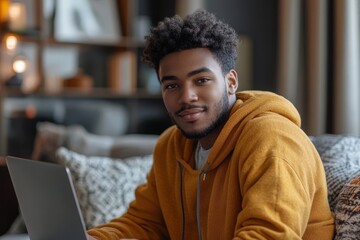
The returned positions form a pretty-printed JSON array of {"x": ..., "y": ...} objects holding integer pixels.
[
  {"x": 110, "y": 167},
  {"x": 100, "y": 164}
]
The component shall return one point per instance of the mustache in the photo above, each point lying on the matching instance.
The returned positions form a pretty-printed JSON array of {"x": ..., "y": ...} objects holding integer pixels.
[{"x": 188, "y": 107}]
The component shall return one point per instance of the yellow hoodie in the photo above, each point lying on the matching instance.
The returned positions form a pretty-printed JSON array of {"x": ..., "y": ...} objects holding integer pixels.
[{"x": 263, "y": 179}]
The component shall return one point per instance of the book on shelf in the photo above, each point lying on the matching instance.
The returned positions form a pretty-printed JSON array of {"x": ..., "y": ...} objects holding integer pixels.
[{"x": 123, "y": 72}]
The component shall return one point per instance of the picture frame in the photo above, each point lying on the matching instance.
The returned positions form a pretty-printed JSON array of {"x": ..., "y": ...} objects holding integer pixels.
[{"x": 87, "y": 21}]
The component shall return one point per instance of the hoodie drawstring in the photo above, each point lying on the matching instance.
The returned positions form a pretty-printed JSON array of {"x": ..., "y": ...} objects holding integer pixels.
[
  {"x": 182, "y": 204},
  {"x": 198, "y": 200}
]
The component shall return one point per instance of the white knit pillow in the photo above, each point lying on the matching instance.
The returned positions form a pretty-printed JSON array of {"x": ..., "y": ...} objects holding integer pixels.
[{"x": 104, "y": 186}]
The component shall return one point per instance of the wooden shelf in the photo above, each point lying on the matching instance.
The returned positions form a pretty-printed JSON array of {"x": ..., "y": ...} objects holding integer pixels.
[
  {"x": 74, "y": 92},
  {"x": 124, "y": 42},
  {"x": 94, "y": 57}
]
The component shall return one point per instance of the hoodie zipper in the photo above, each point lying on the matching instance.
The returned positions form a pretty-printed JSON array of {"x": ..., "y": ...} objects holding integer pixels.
[{"x": 203, "y": 174}]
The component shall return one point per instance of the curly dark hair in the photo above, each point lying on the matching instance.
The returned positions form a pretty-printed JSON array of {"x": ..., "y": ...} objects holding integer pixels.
[{"x": 200, "y": 29}]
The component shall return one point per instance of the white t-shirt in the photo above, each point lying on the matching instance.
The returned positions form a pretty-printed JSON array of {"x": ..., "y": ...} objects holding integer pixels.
[{"x": 201, "y": 155}]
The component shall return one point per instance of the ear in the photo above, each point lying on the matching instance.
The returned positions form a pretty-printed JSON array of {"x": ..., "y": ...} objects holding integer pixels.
[{"x": 231, "y": 81}]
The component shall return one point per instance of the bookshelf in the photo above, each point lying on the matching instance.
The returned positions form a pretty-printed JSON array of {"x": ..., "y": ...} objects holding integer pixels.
[
  {"x": 52, "y": 60},
  {"x": 55, "y": 51}
]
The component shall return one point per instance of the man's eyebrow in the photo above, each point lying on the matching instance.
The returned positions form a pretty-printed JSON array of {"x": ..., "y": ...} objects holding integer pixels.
[
  {"x": 168, "y": 78},
  {"x": 192, "y": 73},
  {"x": 197, "y": 71}
]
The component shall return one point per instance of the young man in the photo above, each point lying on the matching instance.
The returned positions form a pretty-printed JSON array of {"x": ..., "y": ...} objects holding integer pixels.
[{"x": 235, "y": 165}]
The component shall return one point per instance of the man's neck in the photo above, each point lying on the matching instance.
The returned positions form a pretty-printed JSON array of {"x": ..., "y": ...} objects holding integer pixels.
[{"x": 208, "y": 141}]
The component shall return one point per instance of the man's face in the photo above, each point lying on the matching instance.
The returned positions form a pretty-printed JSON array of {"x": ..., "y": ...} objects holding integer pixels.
[{"x": 195, "y": 92}]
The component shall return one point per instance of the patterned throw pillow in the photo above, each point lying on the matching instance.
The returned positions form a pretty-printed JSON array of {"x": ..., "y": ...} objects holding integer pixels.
[
  {"x": 341, "y": 158},
  {"x": 104, "y": 186},
  {"x": 347, "y": 211}
]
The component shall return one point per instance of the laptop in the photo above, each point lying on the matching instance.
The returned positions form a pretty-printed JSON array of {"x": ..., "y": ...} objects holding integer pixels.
[{"x": 47, "y": 200}]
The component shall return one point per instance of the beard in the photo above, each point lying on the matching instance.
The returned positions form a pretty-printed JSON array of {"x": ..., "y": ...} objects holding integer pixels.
[{"x": 222, "y": 108}]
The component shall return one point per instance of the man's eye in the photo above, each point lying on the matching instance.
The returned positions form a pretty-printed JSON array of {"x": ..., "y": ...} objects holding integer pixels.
[
  {"x": 170, "y": 86},
  {"x": 203, "y": 80}
]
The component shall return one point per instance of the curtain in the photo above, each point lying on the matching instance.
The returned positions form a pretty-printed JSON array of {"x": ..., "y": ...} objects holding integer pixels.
[{"x": 319, "y": 61}]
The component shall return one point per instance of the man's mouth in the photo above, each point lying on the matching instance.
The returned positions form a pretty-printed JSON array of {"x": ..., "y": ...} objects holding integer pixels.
[{"x": 191, "y": 114}]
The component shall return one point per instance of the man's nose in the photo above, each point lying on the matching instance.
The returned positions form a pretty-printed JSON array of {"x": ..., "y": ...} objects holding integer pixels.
[{"x": 188, "y": 94}]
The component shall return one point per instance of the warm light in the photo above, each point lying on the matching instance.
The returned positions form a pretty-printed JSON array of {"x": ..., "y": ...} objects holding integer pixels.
[
  {"x": 19, "y": 65},
  {"x": 17, "y": 16},
  {"x": 11, "y": 42},
  {"x": 15, "y": 10}
]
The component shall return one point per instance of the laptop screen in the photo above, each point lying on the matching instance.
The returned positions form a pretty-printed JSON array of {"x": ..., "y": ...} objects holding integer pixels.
[{"x": 47, "y": 200}]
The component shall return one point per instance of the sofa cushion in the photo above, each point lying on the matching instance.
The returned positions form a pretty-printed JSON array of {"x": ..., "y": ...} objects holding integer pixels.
[
  {"x": 347, "y": 211},
  {"x": 51, "y": 136},
  {"x": 341, "y": 159},
  {"x": 104, "y": 186},
  {"x": 133, "y": 145}
]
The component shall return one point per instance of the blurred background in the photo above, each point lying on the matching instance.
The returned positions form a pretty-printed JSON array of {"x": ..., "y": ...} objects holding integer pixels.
[{"x": 59, "y": 56}]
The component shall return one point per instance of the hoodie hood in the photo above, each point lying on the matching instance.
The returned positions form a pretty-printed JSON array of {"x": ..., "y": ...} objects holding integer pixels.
[{"x": 248, "y": 106}]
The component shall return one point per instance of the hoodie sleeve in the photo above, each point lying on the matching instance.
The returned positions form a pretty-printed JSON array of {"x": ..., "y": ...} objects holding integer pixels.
[
  {"x": 282, "y": 183},
  {"x": 275, "y": 203},
  {"x": 143, "y": 219}
]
